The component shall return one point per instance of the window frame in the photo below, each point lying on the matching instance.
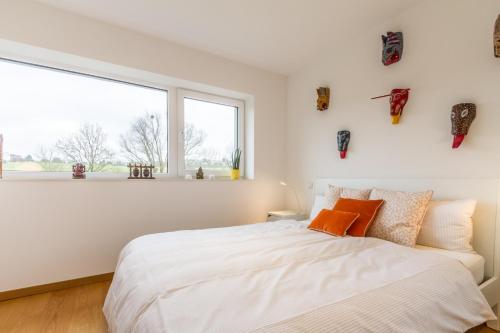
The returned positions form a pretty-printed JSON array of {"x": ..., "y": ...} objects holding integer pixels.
[
  {"x": 239, "y": 126},
  {"x": 175, "y": 121}
]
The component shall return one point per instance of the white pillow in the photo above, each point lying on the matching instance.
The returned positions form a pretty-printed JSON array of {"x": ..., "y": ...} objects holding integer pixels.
[
  {"x": 318, "y": 204},
  {"x": 334, "y": 193},
  {"x": 448, "y": 225}
]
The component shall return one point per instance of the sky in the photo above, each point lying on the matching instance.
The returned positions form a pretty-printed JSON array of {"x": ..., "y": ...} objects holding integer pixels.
[
  {"x": 39, "y": 106},
  {"x": 218, "y": 123}
]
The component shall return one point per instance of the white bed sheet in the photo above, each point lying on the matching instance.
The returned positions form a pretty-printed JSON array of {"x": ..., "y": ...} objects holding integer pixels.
[
  {"x": 474, "y": 262},
  {"x": 281, "y": 277}
]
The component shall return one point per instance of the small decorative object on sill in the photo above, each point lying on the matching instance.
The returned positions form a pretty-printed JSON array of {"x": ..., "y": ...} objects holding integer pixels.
[
  {"x": 343, "y": 138},
  {"x": 392, "y": 48},
  {"x": 1, "y": 156},
  {"x": 398, "y": 100},
  {"x": 79, "y": 171},
  {"x": 199, "y": 173},
  {"x": 323, "y": 101},
  {"x": 462, "y": 116},
  {"x": 188, "y": 177},
  {"x": 496, "y": 37},
  {"x": 235, "y": 174},
  {"x": 140, "y": 171},
  {"x": 235, "y": 164},
  {"x": 211, "y": 177}
]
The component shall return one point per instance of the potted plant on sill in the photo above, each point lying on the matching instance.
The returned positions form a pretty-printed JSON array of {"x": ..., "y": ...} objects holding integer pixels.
[{"x": 235, "y": 164}]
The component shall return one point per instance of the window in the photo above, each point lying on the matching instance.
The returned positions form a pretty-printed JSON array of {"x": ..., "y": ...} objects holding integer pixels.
[
  {"x": 212, "y": 130},
  {"x": 51, "y": 119}
]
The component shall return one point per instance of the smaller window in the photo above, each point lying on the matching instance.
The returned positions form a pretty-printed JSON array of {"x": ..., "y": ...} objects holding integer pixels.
[{"x": 211, "y": 129}]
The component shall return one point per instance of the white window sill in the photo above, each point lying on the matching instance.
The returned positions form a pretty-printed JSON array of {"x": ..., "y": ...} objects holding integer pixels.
[{"x": 104, "y": 178}]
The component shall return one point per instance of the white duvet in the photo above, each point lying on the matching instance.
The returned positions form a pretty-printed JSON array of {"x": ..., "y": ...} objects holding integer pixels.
[{"x": 282, "y": 277}]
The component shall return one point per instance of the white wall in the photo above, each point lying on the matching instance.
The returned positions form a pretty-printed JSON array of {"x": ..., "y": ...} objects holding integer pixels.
[
  {"x": 58, "y": 230},
  {"x": 448, "y": 59}
]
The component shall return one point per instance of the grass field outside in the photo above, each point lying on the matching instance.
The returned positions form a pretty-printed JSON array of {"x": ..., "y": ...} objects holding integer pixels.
[
  {"x": 38, "y": 166},
  {"x": 33, "y": 166}
]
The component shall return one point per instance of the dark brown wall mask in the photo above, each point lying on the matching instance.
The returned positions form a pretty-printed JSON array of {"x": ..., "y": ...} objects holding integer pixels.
[
  {"x": 496, "y": 38},
  {"x": 462, "y": 116},
  {"x": 343, "y": 138}
]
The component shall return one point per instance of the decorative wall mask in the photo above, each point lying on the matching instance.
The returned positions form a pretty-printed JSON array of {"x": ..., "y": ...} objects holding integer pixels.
[
  {"x": 343, "y": 138},
  {"x": 496, "y": 37},
  {"x": 393, "y": 47},
  {"x": 462, "y": 116},
  {"x": 1, "y": 156},
  {"x": 398, "y": 100},
  {"x": 323, "y": 98}
]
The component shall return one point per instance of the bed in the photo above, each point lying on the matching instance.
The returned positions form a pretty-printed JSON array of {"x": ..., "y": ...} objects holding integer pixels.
[
  {"x": 474, "y": 262},
  {"x": 282, "y": 277}
]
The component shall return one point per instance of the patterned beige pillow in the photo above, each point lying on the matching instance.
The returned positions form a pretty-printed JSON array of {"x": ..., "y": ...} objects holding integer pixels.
[
  {"x": 400, "y": 217},
  {"x": 334, "y": 193}
]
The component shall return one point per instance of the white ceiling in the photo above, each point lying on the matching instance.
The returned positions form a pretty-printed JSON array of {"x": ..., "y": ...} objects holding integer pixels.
[{"x": 277, "y": 35}]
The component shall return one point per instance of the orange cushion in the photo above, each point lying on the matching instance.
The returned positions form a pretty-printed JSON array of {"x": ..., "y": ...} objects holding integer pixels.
[
  {"x": 367, "y": 210},
  {"x": 333, "y": 222}
]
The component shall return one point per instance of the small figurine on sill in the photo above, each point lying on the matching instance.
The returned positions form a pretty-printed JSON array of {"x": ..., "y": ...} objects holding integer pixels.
[
  {"x": 140, "y": 171},
  {"x": 199, "y": 173},
  {"x": 79, "y": 171}
]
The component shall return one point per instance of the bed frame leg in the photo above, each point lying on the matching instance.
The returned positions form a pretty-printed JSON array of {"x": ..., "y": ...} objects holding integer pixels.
[{"x": 494, "y": 324}]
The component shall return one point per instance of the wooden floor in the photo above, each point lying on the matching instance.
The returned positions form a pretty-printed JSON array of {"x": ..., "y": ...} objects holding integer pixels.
[
  {"x": 73, "y": 310},
  {"x": 481, "y": 329}
]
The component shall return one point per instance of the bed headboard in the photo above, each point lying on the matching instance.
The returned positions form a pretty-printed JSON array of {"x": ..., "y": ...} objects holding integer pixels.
[{"x": 484, "y": 190}]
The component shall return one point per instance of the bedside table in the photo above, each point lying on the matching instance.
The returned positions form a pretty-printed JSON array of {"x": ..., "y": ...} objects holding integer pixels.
[{"x": 285, "y": 215}]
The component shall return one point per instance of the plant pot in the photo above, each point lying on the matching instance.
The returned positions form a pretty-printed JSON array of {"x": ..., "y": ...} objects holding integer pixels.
[{"x": 235, "y": 174}]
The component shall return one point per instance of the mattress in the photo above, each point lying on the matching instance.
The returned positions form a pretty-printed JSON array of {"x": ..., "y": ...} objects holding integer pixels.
[
  {"x": 472, "y": 261},
  {"x": 281, "y": 277}
]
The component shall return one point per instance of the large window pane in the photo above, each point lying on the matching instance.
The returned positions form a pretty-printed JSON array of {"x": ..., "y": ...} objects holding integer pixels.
[
  {"x": 210, "y": 135},
  {"x": 51, "y": 119}
]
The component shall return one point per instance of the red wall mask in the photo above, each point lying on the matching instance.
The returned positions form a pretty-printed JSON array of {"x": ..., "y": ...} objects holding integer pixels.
[
  {"x": 398, "y": 100},
  {"x": 462, "y": 116}
]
